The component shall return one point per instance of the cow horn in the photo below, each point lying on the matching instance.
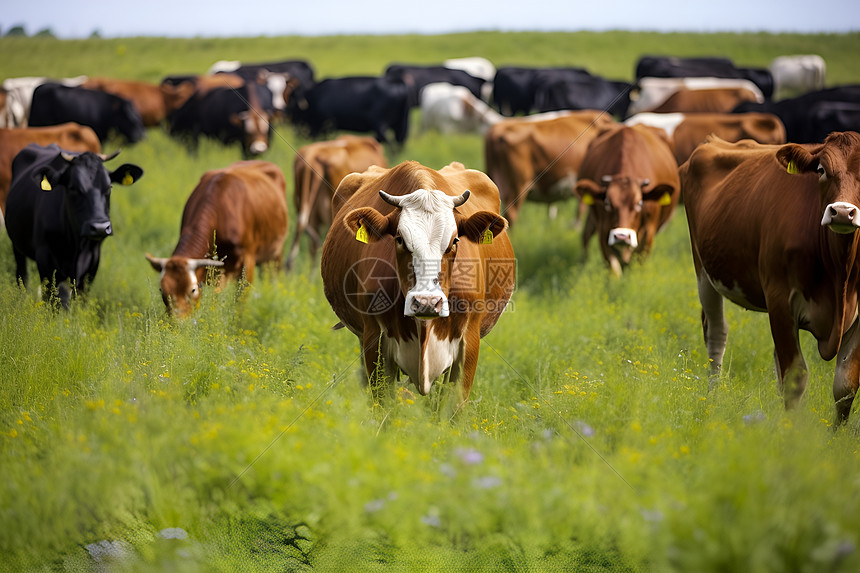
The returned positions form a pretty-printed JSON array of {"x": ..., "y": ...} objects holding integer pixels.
[
  {"x": 104, "y": 157},
  {"x": 390, "y": 199},
  {"x": 67, "y": 156},
  {"x": 194, "y": 264},
  {"x": 462, "y": 198},
  {"x": 158, "y": 262}
]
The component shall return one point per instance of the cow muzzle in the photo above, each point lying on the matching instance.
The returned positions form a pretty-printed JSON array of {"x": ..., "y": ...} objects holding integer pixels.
[
  {"x": 841, "y": 217},
  {"x": 623, "y": 238},
  {"x": 96, "y": 230},
  {"x": 258, "y": 147},
  {"x": 426, "y": 305}
]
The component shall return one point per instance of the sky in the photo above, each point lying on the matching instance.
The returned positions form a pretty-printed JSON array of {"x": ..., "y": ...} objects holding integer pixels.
[{"x": 220, "y": 18}]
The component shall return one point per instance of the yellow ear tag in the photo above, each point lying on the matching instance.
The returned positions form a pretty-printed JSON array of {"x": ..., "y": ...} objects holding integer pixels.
[
  {"x": 486, "y": 237},
  {"x": 792, "y": 168},
  {"x": 128, "y": 179},
  {"x": 361, "y": 234},
  {"x": 666, "y": 199},
  {"x": 46, "y": 186},
  {"x": 587, "y": 199}
]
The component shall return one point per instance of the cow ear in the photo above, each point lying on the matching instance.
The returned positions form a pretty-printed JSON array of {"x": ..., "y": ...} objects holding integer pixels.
[
  {"x": 367, "y": 224},
  {"x": 126, "y": 174},
  {"x": 661, "y": 192},
  {"x": 795, "y": 159},
  {"x": 156, "y": 262},
  {"x": 589, "y": 191},
  {"x": 479, "y": 226}
]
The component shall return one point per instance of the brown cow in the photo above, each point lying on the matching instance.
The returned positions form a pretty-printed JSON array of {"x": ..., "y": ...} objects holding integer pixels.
[
  {"x": 719, "y": 100},
  {"x": 688, "y": 130},
  {"x": 145, "y": 97},
  {"x": 537, "y": 157},
  {"x": 417, "y": 264},
  {"x": 773, "y": 229},
  {"x": 176, "y": 94},
  {"x": 629, "y": 179},
  {"x": 244, "y": 206},
  {"x": 318, "y": 169},
  {"x": 69, "y": 136}
]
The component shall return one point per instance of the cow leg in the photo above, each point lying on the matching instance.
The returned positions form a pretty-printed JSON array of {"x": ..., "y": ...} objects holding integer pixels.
[
  {"x": 847, "y": 376},
  {"x": 791, "y": 370},
  {"x": 714, "y": 326},
  {"x": 20, "y": 267}
]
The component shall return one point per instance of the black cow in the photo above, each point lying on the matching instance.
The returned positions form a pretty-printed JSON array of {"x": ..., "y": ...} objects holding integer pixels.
[
  {"x": 299, "y": 69},
  {"x": 515, "y": 88},
  {"x": 417, "y": 77},
  {"x": 703, "y": 67},
  {"x": 55, "y": 103},
  {"x": 357, "y": 103},
  {"x": 807, "y": 118},
  {"x": 58, "y": 213},
  {"x": 228, "y": 115},
  {"x": 583, "y": 92}
]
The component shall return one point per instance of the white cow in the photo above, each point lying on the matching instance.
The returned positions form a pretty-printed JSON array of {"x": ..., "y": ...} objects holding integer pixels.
[
  {"x": 19, "y": 97},
  {"x": 224, "y": 66},
  {"x": 454, "y": 109},
  {"x": 653, "y": 92},
  {"x": 802, "y": 73}
]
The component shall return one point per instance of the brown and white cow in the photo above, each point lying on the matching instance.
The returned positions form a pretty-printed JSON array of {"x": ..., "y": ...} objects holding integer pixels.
[
  {"x": 318, "y": 169},
  {"x": 652, "y": 94},
  {"x": 774, "y": 229},
  {"x": 688, "y": 130},
  {"x": 538, "y": 157},
  {"x": 418, "y": 265},
  {"x": 629, "y": 179},
  {"x": 244, "y": 207},
  {"x": 69, "y": 136},
  {"x": 175, "y": 93},
  {"x": 146, "y": 97}
]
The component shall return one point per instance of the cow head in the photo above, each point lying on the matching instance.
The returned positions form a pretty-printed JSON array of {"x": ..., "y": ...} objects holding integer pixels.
[
  {"x": 620, "y": 205},
  {"x": 837, "y": 164},
  {"x": 180, "y": 285},
  {"x": 127, "y": 120},
  {"x": 426, "y": 231},
  {"x": 254, "y": 124},
  {"x": 87, "y": 185}
]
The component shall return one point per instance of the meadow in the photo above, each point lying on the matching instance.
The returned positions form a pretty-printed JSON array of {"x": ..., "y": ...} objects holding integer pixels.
[{"x": 242, "y": 440}]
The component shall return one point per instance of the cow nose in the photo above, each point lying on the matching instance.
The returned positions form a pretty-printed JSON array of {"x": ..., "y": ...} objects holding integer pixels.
[
  {"x": 426, "y": 305},
  {"x": 623, "y": 238},
  {"x": 841, "y": 217},
  {"x": 259, "y": 147},
  {"x": 97, "y": 230}
]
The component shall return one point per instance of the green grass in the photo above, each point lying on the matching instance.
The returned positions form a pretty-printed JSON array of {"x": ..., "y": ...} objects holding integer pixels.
[{"x": 591, "y": 442}]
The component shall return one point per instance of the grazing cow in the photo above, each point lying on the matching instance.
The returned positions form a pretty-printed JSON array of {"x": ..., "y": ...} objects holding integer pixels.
[
  {"x": 58, "y": 213},
  {"x": 514, "y": 88},
  {"x": 176, "y": 90},
  {"x": 416, "y": 77},
  {"x": 629, "y": 179},
  {"x": 798, "y": 113},
  {"x": 774, "y": 229},
  {"x": 651, "y": 93},
  {"x": 318, "y": 169},
  {"x": 417, "y": 264},
  {"x": 583, "y": 92},
  {"x": 453, "y": 109},
  {"x": 360, "y": 103},
  {"x": 538, "y": 157},
  {"x": 105, "y": 113},
  {"x": 145, "y": 97},
  {"x": 688, "y": 130},
  {"x": 69, "y": 136},
  {"x": 19, "y": 97},
  {"x": 797, "y": 74},
  {"x": 244, "y": 207},
  {"x": 672, "y": 67},
  {"x": 228, "y": 115}
]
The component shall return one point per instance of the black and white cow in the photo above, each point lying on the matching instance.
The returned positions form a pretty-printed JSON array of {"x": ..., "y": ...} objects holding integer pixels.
[{"x": 58, "y": 213}]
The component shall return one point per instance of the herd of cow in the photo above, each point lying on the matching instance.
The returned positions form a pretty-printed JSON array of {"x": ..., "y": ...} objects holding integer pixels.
[{"x": 417, "y": 262}]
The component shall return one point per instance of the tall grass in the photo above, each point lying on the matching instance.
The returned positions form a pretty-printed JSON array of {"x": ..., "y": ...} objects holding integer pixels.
[{"x": 242, "y": 439}]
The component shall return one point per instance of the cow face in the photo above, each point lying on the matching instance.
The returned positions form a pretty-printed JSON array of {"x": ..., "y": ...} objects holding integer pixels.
[
  {"x": 426, "y": 232},
  {"x": 622, "y": 205},
  {"x": 180, "y": 285},
  {"x": 254, "y": 124},
  {"x": 86, "y": 185},
  {"x": 837, "y": 164}
]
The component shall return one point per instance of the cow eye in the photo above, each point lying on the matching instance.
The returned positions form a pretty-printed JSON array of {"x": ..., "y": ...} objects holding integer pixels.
[
  {"x": 456, "y": 240},
  {"x": 398, "y": 240},
  {"x": 822, "y": 174}
]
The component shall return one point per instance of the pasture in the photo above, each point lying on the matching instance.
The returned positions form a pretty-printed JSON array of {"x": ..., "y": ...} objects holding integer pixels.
[{"x": 242, "y": 440}]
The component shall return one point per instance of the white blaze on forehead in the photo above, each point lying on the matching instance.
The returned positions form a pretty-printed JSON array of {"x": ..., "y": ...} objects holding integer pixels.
[{"x": 427, "y": 222}]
